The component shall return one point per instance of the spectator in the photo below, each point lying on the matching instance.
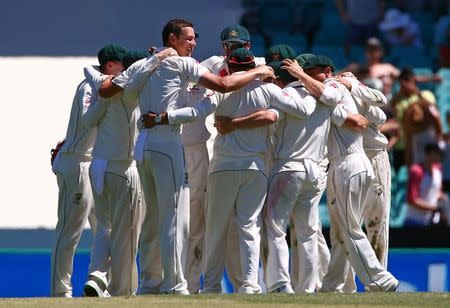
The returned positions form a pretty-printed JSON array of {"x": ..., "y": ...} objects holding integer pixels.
[
  {"x": 441, "y": 27},
  {"x": 251, "y": 20},
  {"x": 419, "y": 117},
  {"x": 384, "y": 71},
  {"x": 399, "y": 30},
  {"x": 427, "y": 204},
  {"x": 361, "y": 19},
  {"x": 444, "y": 50},
  {"x": 446, "y": 162},
  {"x": 307, "y": 19}
]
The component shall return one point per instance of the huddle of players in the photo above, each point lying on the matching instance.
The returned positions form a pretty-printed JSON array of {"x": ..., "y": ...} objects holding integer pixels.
[{"x": 149, "y": 184}]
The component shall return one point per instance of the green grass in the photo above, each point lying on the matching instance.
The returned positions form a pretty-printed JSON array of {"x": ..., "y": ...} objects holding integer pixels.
[{"x": 385, "y": 300}]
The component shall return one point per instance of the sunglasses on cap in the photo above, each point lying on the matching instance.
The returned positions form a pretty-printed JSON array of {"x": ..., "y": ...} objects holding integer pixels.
[{"x": 233, "y": 45}]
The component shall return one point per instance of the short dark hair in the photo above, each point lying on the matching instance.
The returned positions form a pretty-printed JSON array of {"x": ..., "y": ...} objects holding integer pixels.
[
  {"x": 406, "y": 74},
  {"x": 174, "y": 26}
]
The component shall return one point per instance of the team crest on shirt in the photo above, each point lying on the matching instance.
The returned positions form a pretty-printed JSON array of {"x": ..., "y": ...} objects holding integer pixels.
[
  {"x": 87, "y": 102},
  {"x": 77, "y": 197},
  {"x": 186, "y": 178},
  {"x": 333, "y": 201}
]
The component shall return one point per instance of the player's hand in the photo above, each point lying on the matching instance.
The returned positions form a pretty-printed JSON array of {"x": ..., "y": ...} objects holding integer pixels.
[
  {"x": 264, "y": 72},
  {"x": 344, "y": 81},
  {"x": 347, "y": 74},
  {"x": 356, "y": 122},
  {"x": 148, "y": 119},
  {"x": 168, "y": 52},
  {"x": 224, "y": 125},
  {"x": 292, "y": 67}
]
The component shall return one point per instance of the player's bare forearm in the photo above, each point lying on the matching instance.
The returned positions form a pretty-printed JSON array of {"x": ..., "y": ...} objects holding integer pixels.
[
  {"x": 235, "y": 81},
  {"x": 356, "y": 122},
  {"x": 256, "y": 119},
  {"x": 108, "y": 88},
  {"x": 314, "y": 87}
]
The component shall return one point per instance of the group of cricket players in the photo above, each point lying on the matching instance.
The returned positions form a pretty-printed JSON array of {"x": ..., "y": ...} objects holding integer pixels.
[{"x": 135, "y": 164}]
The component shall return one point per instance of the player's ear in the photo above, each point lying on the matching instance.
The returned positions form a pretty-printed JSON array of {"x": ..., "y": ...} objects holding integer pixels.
[
  {"x": 172, "y": 37},
  {"x": 248, "y": 45}
]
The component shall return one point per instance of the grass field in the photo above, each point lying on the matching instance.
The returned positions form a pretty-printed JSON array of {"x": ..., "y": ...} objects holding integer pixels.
[{"x": 362, "y": 300}]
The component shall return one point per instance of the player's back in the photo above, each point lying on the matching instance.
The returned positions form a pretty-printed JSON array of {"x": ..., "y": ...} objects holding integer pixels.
[
  {"x": 302, "y": 138},
  {"x": 79, "y": 137},
  {"x": 243, "y": 142},
  {"x": 342, "y": 140}
]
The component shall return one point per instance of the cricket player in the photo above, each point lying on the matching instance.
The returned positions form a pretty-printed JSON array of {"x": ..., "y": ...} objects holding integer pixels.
[
  {"x": 119, "y": 204},
  {"x": 377, "y": 210},
  {"x": 349, "y": 180},
  {"x": 159, "y": 150},
  {"x": 232, "y": 37},
  {"x": 295, "y": 187},
  {"x": 75, "y": 201},
  {"x": 237, "y": 182}
]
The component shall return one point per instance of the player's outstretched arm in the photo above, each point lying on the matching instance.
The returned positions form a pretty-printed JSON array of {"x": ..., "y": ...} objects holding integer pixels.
[
  {"x": 235, "y": 81},
  {"x": 110, "y": 88},
  {"x": 314, "y": 87},
  {"x": 259, "y": 118},
  {"x": 368, "y": 95}
]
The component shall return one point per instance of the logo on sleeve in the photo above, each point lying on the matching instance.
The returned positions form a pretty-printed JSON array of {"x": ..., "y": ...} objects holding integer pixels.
[{"x": 87, "y": 102}]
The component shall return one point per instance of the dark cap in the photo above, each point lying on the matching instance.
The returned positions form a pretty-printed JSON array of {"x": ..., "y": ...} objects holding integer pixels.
[
  {"x": 111, "y": 52},
  {"x": 374, "y": 43},
  {"x": 281, "y": 74},
  {"x": 310, "y": 60},
  {"x": 235, "y": 33},
  {"x": 241, "y": 56},
  {"x": 280, "y": 52},
  {"x": 134, "y": 55}
]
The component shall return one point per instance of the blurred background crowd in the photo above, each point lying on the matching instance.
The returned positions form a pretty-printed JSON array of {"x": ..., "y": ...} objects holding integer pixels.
[{"x": 401, "y": 47}]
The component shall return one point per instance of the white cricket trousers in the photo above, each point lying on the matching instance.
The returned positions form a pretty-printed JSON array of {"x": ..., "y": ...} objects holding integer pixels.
[
  {"x": 240, "y": 193},
  {"x": 291, "y": 192},
  {"x": 167, "y": 221},
  {"x": 75, "y": 206},
  {"x": 197, "y": 162},
  {"x": 349, "y": 181},
  {"x": 323, "y": 251},
  {"x": 119, "y": 209},
  {"x": 376, "y": 212}
]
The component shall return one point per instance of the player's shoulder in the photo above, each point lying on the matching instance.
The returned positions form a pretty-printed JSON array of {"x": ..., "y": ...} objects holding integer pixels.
[
  {"x": 212, "y": 61},
  {"x": 84, "y": 86}
]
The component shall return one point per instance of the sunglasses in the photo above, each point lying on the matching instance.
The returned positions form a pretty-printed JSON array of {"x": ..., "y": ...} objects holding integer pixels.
[{"x": 232, "y": 45}]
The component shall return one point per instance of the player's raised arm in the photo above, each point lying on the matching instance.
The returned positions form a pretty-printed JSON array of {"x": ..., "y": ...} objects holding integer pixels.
[
  {"x": 113, "y": 86},
  {"x": 235, "y": 81},
  {"x": 368, "y": 95}
]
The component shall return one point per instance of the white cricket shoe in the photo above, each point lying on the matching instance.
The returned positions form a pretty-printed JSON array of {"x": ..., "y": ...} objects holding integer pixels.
[
  {"x": 96, "y": 285},
  {"x": 286, "y": 289}
]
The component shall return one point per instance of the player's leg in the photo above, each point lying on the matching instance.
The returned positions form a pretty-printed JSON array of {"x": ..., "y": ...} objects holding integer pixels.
[
  {"x": 233, "y": 264},
  {"x": 150, "y": 268},
  {"x": 350, "y": 204},
  {"x": 197, "y": 166},
  {"x": 306, "y": 219},
  {"x": 221, "y": 197},
  {"x": 248, "y": 207},
  {"x": 337, "y": 270},
  {"x": 100, "y": 265},
  {"x": 173, "y": 211},
  {"x": 126, "y": 205},
  {"x": 324, "y": 256},
  {"x": 74, "y": 205},
  {"x": 283, "y": 192},
  {"x": 293, "y": 260}
]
